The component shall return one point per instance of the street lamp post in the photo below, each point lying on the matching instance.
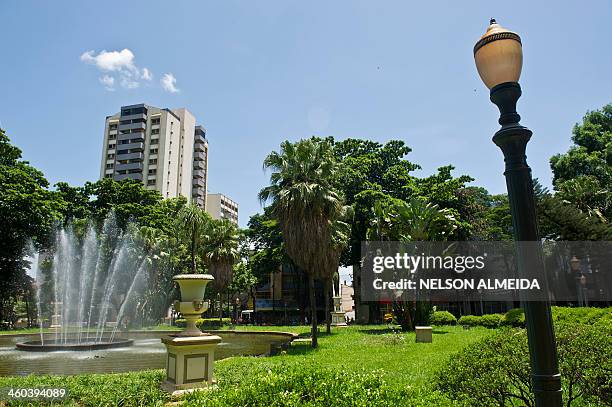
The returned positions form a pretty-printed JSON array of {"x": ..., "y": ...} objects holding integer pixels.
[{"x": 499, "y": 58}]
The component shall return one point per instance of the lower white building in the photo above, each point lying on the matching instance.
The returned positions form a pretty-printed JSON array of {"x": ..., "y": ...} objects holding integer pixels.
[{"x": 220, "y": 206}]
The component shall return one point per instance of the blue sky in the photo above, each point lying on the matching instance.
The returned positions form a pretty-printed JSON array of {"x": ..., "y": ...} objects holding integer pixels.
[{"x": 257, "y": 73}]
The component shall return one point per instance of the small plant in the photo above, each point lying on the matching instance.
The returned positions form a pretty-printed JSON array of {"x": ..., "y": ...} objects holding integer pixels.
[{"x": 491, "y": 320}]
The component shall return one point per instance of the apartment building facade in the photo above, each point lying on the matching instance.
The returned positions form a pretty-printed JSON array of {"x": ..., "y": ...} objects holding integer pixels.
[
  {"x": 220, "y": 206},
  {"x": 162, "y": 148}
]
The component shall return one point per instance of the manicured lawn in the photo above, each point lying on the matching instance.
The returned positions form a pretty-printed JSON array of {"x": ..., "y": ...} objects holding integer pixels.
[{"x": 395, "y": 357}]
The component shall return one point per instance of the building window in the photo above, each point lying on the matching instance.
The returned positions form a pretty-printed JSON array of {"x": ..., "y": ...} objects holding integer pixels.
[
  {"x": 108, "y": 175},
  {"x": 112, "y": 136},
  {"x": 153, "y": 151},
  {"x": 109, "y": 166},
  {"x": 151, "y": 182},
  {"x": 112, "y": 126},
  {"x": 155, "y": 120},
  {"x": 153, "y": 161},
  {"x": 110, "y": 156},
  {"x": 152, "y": 171},
  {"x": 154, "y": 131},
  {"x": 154, "y": 141},
  {"x": 111, "y": 146}
]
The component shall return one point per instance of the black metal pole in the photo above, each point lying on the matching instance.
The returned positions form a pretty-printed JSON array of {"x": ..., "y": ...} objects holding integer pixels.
[{"x": 512, "y": 139}]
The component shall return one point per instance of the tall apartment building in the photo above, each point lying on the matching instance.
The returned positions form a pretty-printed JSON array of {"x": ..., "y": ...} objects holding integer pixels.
[
  {"x": 162, "y": 148},
  {"x": 220, "y": 206}
]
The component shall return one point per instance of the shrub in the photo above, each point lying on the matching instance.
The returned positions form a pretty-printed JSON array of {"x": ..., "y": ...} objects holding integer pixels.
[
  {"x": 303, "y": 385},
  {"x": 495, "y": 370},
  {"x": 582, "y": 315},
  {"x": 515, "y": 317},
  {"x": 469, "y": 320},
  {"x": 491, "y": 320},
  {"x": 443, "y": 318}
]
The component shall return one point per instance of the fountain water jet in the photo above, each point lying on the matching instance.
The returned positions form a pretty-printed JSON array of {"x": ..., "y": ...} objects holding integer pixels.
[{"x": 95, "y": 280}]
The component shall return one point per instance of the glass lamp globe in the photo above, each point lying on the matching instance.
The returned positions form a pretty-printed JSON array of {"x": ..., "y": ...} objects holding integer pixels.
[{"x": 498, "y": 55}]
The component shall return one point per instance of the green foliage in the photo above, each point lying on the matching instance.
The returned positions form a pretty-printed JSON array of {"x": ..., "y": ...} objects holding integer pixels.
[
  {"x": 443, "y": 318},
  {"x": 28, "y": 211},
  {"x": 495, "y": 370},
  {"x": 470, "y": 320},
  {"x": 491, "y": 320},
  {"x": 515, "y": 318},
  {"x": 126, "y": 389},
  {"x": 583, "y": 175},
  {"x": 582, "y": 315},
  {"x": 303, "y": 386}
]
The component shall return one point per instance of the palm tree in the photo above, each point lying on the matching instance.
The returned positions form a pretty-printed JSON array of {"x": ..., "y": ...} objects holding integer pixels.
[
  {"x": 415, "y": 220},
  {"x": 340, "y": 237},
  {"x": 220, "y": 251},
  {"x": 192, "y": 222},
  {"x": 305, "y": 204}
]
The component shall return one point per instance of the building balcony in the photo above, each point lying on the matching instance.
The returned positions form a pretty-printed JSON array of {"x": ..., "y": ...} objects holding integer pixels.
[
  {"x": 199, "y": 174},
  {"x": 139, "y": 146},
  {"x": 129, "y": 167},
  {"x": 199, "y": 165},
  {"x": 199, "y": 138},
  {"x": 129, "y": 156},
  {"x": 136, "y": 176},
  {"x": 131, "y": 136},
  {"x": 199, "y": 156},
  {"x": 132, "y": 126},
  {"x": 197, "y": 192},
  {"x": 198, "y": 182},
  {"x": 199, "y": 147},
  {"x": 138, "y": 116}
]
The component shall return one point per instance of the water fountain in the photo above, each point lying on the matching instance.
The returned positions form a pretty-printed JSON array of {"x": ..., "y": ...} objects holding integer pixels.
[{"x": 92, "y": 280}]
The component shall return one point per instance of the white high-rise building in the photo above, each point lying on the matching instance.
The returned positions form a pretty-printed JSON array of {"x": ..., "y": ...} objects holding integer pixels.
[
  {"x": 162, "y": 148},
  {"x": 220, "y": 206}
]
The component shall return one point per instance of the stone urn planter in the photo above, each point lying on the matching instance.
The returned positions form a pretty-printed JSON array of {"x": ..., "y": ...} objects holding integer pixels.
[
  {"x": 190, "y": 354},
  {"x": 192, "y": 303}
]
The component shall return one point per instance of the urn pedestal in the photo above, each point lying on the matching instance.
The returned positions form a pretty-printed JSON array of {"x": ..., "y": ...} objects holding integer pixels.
[
  {"x": 190, "y": 353},
  {"x": 338, "y": 316}
]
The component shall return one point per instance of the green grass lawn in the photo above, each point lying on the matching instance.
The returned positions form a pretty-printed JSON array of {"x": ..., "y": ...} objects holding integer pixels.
[{"x": 396, "y": 357}]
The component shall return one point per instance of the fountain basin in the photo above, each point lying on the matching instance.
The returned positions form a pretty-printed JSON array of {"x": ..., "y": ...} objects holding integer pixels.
[{"x": 53, "y": 345}]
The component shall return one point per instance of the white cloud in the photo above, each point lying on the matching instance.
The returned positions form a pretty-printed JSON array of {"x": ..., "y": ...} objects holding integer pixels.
[
  {"x": 108, "y": 82},
  {"x": 117, "y": 66},
  {"x": 168, "y": 82},
  {"x": 146, "y": 74},
  {"x": 110, "y": 60}
]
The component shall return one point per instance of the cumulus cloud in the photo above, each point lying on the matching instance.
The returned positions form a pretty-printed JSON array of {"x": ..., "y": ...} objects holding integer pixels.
[
  {"x": 168, "y": 82},
  {"x": 117, "y": 66}
]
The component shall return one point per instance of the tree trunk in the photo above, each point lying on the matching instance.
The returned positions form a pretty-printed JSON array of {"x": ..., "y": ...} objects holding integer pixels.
[
  {"x": 327, "y": 310},
  {"x": 193, "y": 251},
  {"x": 313, "y": 309}
]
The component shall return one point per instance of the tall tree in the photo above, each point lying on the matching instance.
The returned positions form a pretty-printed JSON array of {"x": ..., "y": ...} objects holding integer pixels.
[
  {"x": 305, "y": 203},
  {"x": 220, "y": 251},
  {"x": 192, "y": 223},
  {"x": 583, "y": 175},
  {"x": 28, "y": 211}
]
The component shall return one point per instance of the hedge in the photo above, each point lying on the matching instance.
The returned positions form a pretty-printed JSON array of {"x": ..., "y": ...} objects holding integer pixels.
[{"x": 443, "y": 318}]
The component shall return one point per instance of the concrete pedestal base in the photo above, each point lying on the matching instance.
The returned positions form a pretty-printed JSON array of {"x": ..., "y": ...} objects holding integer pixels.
[
  {"x": 189, "y": 361},
  {"x": 337, "y": 319},
  {"x": 424, "y": 334}
]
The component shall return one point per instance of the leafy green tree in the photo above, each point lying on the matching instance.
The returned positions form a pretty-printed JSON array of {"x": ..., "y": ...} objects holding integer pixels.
[
  {"x": 305, "y": 203},
  {"x": 28, "y": 211},
  {"x": 583, "y": 175}
]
